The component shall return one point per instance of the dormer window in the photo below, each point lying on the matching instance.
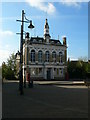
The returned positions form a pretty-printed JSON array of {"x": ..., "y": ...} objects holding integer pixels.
[
  {"x": 34, "y": 40},
  {"x": 52, "y": 41},
  {"x": 40, "y": 41}
]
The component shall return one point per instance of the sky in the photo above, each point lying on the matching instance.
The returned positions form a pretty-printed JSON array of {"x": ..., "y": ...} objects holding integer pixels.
[{"x": 65, "y": 18}]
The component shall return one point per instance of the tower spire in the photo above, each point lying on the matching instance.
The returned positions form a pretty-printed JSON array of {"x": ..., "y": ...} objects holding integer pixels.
[{"x": 46, "y": 31}]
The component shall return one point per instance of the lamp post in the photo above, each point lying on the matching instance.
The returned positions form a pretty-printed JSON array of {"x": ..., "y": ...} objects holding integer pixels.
[{"x": 21, "y": 49}]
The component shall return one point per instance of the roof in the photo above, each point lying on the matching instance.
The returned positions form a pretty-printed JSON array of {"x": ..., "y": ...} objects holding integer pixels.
[
  {"x": 36, "y": 38},
  {"x": 40, "y": 40},
  {"x": 55, "y": 41}
]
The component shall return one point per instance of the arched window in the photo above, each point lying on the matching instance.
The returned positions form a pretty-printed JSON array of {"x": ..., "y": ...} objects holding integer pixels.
[
  {"x": 40, "y": 56},
  {"x": 60, "y": 57},
  {"x": 47, "y": 56},
  {"x": 32, "y": 55},
  {"x": 61, "y": 71},
  {"x": 54, "y": 56}
]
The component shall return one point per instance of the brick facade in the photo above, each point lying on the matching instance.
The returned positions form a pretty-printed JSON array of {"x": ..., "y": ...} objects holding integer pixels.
[{"x": 56, "y": 67}]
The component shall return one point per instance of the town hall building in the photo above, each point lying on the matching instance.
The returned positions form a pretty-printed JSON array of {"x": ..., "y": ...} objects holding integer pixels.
[{"x": 44, "y": 57}]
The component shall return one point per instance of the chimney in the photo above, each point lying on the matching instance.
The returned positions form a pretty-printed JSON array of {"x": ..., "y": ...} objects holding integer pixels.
[
  {"x": 27, "y": 35},
  {"x": 64, "y": 41}
]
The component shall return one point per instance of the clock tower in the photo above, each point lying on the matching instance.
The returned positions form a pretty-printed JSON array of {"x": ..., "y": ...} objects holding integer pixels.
[{"x": 46, "y": 32}]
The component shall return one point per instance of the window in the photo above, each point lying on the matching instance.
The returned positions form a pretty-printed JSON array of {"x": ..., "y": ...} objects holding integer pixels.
[
  {"x": 47, "y": 56},
  {"x": 32, "y": 55},
  {"x": 40, "y": 71},
  {"x": 61, "y": 71},
  {"x": 40, "y": 56},
  {"x": 40, "y": 41},
  {"x": 54, "y": 56},
  {"x": 47, "y": 31},
  {"x": 58, "y": 42},
  {"x": 60, "y": 57},
  {"x": 34, "y": 40},
  {"x": 52, "y": 41},
  {"x": 57, "y": 71}
]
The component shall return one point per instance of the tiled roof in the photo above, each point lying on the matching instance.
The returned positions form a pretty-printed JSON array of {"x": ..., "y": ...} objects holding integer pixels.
[
  {"x": 40, "y": 40},
  {"x": 36, "y": 38},
  {"x": 55, "y": 41}
]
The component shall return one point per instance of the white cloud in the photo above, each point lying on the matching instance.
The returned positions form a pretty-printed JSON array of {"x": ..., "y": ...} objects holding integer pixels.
[
  {"x": 4, "y": 54},
  {"x": 5, "y": 48},
  {"x": 50, "y": 8},
  {"x": 39, "y": 4},
  {"x": 71, "y": 4},
  {"x": 5, "y": 33},
  {"x": 72, "y": 58},
  {"x": 75, "y": 3}
]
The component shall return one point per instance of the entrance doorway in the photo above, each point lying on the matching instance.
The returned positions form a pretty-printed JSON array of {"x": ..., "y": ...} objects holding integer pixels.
[{"x": 48, "y": 74}]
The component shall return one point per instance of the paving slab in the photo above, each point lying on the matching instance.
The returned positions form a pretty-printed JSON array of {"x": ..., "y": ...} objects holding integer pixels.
[{"x": 45, "y": 101}]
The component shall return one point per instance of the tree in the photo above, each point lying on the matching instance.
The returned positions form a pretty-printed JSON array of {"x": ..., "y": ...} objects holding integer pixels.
[
  {"x": 9, "y": 68},
  {"x": 4, "y": 70},
  {"x": 78, "y": 69}
]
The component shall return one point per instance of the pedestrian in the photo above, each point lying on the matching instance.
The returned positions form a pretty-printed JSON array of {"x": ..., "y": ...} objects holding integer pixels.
[{"x": 29, "y": 79}]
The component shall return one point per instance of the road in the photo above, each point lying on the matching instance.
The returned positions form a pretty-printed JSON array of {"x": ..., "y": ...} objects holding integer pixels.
[{"x": 45, "y": 101}]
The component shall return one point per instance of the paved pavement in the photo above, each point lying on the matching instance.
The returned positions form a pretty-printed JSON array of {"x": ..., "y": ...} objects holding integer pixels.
[
  {"x": 59, "y": 82},
  {"x": 52, "y": 82},
  {"x": 45, "y": 101}
]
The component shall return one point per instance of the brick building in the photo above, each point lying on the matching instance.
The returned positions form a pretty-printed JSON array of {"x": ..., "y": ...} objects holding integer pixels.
[{"x": 43, "y": 57}]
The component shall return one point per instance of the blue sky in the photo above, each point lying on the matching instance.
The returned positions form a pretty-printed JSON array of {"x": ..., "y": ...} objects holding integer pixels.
[{"x": 65, "y": 19}]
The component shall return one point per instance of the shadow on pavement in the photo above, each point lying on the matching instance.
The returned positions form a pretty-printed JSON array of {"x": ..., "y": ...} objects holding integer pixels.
[{"x": 44, "y": 101}]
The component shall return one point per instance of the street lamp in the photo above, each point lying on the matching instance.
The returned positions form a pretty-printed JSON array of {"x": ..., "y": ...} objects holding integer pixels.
[
  {"x": 21, "y": 49},
  {"x": 31, "y": 26}
]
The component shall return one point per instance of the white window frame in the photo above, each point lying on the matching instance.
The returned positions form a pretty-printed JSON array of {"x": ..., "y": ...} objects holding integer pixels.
[
  {"x": 32, "y": 55},
  {"x": 60, "y": 57},
  {"x": 39, "y": 56},
  {"x": 47, "y": 55},
  {"x": 54, "y": 56}
]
